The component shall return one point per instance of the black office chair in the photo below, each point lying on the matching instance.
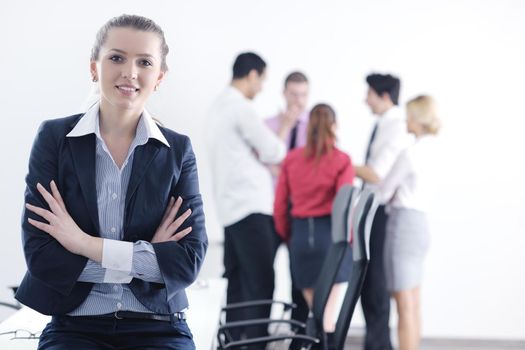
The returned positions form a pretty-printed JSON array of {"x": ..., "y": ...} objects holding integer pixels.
[
  {"x": 361, "y": 226},
  {"x": 341, "y": 207},
  {"x": 341, "y": 221}
]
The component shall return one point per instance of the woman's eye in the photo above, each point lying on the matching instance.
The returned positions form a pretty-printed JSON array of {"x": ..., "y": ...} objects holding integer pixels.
[
  {"x": 116, "y": 58},
  {"x": 146, "y": 63}
]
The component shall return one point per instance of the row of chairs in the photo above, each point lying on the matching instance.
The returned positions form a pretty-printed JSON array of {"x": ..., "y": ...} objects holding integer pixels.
[{"x": 352, "y": 215}]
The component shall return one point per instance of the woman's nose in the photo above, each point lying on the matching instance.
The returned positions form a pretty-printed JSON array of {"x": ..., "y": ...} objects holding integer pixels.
[{"x": 129, "y": 71}]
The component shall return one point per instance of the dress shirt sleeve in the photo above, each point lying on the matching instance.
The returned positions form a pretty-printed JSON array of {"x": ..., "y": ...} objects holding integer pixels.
[
  {"x": 93, "y": 272},
  {"x": 347, "y": 173},
  {"x": 270, "y": 149},
  {"x": 400, "y": 170},
  {"x": 117, "y": 255},
  {"x": 143, "y": 261},
  {"x": 145, "y": 265},
  {"x": 282, "y": 198},
  {"x": 391, "y": 140}
]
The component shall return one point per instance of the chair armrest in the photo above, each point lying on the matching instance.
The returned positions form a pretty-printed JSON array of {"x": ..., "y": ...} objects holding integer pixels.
[
  {"x": 259, "y": 321},
  {"x": 254, "y": 303},
  {"x": 269, "y": 339}
]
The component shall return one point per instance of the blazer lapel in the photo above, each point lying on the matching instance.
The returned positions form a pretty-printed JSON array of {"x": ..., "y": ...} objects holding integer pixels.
[
  {"x": 84, "y": 157},
  {"x": 144, "y": 155}
]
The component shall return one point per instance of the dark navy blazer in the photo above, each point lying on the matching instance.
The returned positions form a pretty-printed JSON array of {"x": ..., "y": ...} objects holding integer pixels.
[{"x": 50, "y": 285}]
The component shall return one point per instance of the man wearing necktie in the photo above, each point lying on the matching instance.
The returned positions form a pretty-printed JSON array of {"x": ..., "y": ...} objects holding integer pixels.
[
  {"x": 388, "y": 138},
  {"x": 296, "y": 89}
]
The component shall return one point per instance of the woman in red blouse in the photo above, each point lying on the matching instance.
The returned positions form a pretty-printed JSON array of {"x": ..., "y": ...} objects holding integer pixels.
[{"x": 308, "y": 182}]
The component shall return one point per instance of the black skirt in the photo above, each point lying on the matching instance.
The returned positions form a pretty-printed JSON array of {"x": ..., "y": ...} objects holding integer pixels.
[{"x": 311, "y": 238}]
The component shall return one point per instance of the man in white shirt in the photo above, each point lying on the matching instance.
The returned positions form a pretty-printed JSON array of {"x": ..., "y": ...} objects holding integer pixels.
[
  {"x": 240, "y": 147},
  {"x": 389, "y": 137}
]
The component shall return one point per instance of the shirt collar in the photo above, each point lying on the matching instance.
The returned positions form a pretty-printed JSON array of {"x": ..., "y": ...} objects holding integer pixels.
[
  {"x": 232, "y": 90},
  {"x": 393, "y": 113},
  {"x": 88, "y": 124},
  {"x": 304, "y": 116}
]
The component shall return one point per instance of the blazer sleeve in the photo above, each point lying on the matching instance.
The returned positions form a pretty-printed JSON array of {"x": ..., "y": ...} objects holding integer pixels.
[
  {"x": 46, "y": 259},
  {"x": 180, "y": 262}
]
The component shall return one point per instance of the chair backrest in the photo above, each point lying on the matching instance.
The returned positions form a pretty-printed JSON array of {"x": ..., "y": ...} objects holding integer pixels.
[
  {"x": 362, "y": 218},
  {"x": 343, "y": 202}
]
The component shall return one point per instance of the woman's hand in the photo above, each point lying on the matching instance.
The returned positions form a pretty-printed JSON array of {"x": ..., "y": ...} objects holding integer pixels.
[
  {"x": 61, "y": 226},
  {"x": 167, "y": 230}
]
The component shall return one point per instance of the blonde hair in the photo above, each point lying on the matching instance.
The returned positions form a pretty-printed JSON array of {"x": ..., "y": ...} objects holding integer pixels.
[{"x": 422, "y": 109}]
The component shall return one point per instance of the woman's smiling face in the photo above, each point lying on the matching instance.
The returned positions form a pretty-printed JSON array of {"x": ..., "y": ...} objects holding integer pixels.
[{"x": 128, "y": 68}]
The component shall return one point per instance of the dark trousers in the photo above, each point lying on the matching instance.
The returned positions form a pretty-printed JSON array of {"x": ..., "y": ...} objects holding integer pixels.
[
  {"x": 248, "y": 265},
  {"x": 89, "y": 333},
  {"x": 375, "y": 298}
]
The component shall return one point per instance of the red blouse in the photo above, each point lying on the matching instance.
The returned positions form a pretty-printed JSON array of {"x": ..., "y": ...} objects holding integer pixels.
[{"x": 309, "y": 186}]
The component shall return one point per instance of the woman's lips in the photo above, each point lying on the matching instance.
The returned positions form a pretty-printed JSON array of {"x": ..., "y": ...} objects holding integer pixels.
[{"x": 127, "y": 90}]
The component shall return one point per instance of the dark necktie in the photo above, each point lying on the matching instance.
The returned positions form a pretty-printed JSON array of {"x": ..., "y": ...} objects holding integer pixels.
[
  {"x": 293, "y": 137},
  {"x": 372, "y": 137}
]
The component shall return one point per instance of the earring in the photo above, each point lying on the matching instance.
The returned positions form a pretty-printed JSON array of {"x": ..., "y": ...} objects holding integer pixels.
[
  {"x": 94, "y": 79},
  {"x": 156, "y": 88}
]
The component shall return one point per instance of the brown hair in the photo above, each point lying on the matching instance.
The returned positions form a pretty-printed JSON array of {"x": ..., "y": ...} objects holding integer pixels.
[
  {"x": 135, "y": 22},
  {"x": 320, "y": 135},
  {"x": 295, "y": 77},
  {"x": 422, "y": 109}
]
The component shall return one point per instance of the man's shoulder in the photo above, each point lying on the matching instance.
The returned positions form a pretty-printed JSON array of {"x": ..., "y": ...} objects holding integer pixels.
[
  {"x": 230, "y": 103},
  {"x": 394, "y": 114},
  {"x": 394, "y": 121}
]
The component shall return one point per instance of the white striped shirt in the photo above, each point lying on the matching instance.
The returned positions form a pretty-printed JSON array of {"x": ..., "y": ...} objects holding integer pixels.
[{"x": 121, "y": 261}]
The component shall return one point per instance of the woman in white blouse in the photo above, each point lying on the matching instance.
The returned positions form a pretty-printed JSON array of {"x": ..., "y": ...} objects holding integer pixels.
[{"x": 407, "y": 189}]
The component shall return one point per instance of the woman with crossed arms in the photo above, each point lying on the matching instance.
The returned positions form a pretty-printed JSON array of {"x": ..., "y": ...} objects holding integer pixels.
[{"x": 108, "y": 255}]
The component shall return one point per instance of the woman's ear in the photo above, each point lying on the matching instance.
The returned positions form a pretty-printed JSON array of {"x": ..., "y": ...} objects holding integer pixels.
[
  {"x": 93, "y": 70},
  {"x": 161, "y": 76}
]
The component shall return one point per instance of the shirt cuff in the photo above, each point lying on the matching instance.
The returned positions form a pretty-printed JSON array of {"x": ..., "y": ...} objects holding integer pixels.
[
  {"x": 114, "y": 276},
  {"x": 117, "y": 255}
]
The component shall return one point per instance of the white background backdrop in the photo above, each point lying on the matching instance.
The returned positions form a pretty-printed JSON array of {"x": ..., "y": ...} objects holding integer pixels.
[{"x": 469, "y": 54}]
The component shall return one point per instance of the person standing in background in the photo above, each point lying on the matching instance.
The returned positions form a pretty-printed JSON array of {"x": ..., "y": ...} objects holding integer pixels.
[
  {"x": 240, "y": 145},
  {"x": 296, "y": 91},
  {"x": 295, "y": 116},
  {"x": 408, "y": 190},
  {"x": 309, "y": 180},
  {"x": 389, "y": 137}
]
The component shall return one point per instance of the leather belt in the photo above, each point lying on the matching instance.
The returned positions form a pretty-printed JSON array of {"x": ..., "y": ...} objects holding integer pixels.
[{"x": 121, "y": 315}]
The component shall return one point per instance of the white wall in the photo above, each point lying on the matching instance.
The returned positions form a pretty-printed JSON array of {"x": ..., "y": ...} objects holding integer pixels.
[{"x": 468, "y": 54}]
